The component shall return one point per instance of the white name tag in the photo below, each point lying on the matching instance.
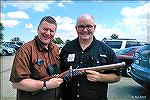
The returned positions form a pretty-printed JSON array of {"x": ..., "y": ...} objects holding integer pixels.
[
  {"x": 71, "y": 57},
  {"x": 103, "y": 55}
]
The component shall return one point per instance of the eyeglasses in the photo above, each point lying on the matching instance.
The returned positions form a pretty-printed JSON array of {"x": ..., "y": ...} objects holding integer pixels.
[{"x": 88, "y": 27}]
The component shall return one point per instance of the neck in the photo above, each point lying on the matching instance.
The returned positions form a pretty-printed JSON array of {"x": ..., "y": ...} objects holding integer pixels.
[{"x": 85, "y": 43}]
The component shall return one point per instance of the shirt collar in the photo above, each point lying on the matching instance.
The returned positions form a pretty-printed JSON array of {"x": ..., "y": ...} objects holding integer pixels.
[
  {"x": 40, "y": 45},
  {"x": 93, "y": 42}
]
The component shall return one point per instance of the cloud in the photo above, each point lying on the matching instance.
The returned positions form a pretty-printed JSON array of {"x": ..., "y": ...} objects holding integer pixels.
[
  {"x": 10, "y": 23},
  {"x": 18, "y": 14},
  {"x": 62, "y": 3},
  {"x": 2, "y": 15},
  {"x": 65, "y": 23},
  {"x": 34, "y": 31},
  {"x": 29, "y": 25},
  {"x": 34, "y": 5},
  {"x": 40, "y": 7},
  {"x": 135, "y": 21}
]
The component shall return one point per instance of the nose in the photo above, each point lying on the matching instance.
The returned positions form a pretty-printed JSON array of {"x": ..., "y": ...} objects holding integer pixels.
[
  {"x": 48, "y": 32},
  {"x": 85, "y": 29}
]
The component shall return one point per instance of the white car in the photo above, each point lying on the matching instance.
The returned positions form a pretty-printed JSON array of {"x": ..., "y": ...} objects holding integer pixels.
[{"x": 118, "y": 44}]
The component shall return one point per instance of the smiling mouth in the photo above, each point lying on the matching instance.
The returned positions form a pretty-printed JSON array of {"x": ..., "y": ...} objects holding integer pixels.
[{"x": 46, "y": 36}]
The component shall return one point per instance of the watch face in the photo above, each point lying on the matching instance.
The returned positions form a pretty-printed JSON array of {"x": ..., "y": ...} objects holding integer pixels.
[{"x": 44, "y": 88}]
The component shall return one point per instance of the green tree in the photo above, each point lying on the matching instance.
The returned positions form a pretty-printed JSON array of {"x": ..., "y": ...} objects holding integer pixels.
[
  {"x": 67, "y": 41},
  {"x": 15, "y": 39},
  {"x": 1, "y": 32},
  {"x": 57, "y": 40},
  {"x": 114, "y": 36}
]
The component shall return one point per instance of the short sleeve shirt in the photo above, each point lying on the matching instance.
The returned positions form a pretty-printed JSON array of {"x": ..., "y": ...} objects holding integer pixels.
[
  {"x": 31, "y": 62},
  {"x": 79, "y": 88}
]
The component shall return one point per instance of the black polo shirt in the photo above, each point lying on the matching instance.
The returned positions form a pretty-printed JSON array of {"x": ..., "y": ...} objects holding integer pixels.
[{"x": 79, "y": 88}]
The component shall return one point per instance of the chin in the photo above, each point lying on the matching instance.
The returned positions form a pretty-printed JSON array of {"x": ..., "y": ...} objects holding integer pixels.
[
  {"x": 46, "y": 42},
  {"x": 85, "y": 38}
]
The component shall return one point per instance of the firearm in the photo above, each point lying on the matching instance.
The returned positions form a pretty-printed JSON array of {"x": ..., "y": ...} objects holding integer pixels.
[{"x": 67, "y": 75}]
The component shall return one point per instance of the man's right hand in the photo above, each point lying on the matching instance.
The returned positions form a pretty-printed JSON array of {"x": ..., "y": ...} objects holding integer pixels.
[{"x": 53, "y": 83}]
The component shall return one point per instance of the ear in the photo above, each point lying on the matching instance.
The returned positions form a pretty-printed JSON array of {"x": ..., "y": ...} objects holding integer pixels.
[
  {"x": 94, "y": 26},
  {"x": 76, "y": 28}
]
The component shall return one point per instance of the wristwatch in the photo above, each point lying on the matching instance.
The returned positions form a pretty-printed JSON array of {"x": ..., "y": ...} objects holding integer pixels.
[{"x": 44, "y": 86}]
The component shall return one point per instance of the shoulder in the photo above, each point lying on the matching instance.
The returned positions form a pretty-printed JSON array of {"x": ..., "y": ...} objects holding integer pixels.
[
  {"x": 102, "y": 45},
  {"x": 107, "y": 49},
  {"x": 71, "y": 44},
  {"x": 28, "y": 45},
  {"x": 69, "y": 47},
  {"x": 55, "y": 47}
]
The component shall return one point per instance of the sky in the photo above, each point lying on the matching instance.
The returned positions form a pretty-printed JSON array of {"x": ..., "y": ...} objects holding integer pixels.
[{"x": 127, "y": 19}]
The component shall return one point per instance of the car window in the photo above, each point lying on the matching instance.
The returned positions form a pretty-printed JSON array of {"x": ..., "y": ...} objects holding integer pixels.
[
  {"x": 114, "y": 44},
  {"x": 132, "y": 43}
]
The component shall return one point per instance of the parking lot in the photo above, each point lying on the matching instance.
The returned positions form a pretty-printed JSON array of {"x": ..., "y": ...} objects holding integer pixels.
[{"x": 125, "y": 89}]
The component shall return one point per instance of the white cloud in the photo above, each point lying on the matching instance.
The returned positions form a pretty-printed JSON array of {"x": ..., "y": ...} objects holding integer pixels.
[
  {"x": 2, "y": 15},
  {"x": 65, "y": 23},
  {"x": 17, "y": 14},
  {"x": 34, "y": 31},
  {"x": 60, "y": 19},
  {"x": 61, "y": 4},
  {"x": 67, "y": 35},
  {"x": 34, "y": 5},
  {"x": 29, "y": 25},
  {"x": 40, "y": 7},
  {"x": 66, "y": 28},
  {"x": 10, "y": 23},
  {"x": 135, "y": 21}
]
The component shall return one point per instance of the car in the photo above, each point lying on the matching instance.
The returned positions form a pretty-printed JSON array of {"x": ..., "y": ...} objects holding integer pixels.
[
  {"x": 126, "y": 55},
  {"x": 119, "y": 44},
  {"x": 6, "y": 50},
  {"x": 140, "y": 68},
  {"x": 15, "y": 46}
]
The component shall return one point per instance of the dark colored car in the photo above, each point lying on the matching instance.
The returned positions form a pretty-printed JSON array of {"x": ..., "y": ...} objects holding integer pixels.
[
  {"x": 15, "y": 46},
  {"x": 6, "y": 50},
  {"x": 126, "y": 55},
  {"x": 140, "y": 68}
]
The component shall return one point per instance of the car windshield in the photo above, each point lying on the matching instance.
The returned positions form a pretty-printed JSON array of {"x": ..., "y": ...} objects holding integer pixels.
[{"x": 114, "y": 44}]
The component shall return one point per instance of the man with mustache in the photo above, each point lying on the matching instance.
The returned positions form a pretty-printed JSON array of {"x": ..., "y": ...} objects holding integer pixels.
[
  {"x": 87, "y": 51},
  {"x": 31, "y": 64}
]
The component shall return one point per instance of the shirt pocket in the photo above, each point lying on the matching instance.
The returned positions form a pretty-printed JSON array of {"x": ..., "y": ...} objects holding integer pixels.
[
  {"x": 102, "y": 59},
  {"x": 39, "y": 71}
]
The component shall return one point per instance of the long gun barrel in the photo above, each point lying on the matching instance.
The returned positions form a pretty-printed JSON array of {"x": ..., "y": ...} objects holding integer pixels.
[{"x": 75, "y": 72}]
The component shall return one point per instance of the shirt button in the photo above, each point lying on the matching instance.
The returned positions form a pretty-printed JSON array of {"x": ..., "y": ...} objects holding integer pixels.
[
  {"x": 78, "y": 84},
  {"x": 81, "y": 62},
  {"x": 78, "y": 96},
  {"x": 82, "y": 52},
  {"x": 97, "y": 62}
]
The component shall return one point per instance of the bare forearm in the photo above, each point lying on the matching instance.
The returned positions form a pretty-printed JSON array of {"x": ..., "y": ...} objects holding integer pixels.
[
  {"x": 109, "y": 78},
  {"x": 28, "y": 85}
]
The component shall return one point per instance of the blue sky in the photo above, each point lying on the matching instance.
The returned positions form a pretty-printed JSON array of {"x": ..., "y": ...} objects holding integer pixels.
[{"x": 127, "y": 19}]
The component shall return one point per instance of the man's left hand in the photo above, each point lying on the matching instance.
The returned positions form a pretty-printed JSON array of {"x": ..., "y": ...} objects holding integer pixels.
[{"x": 92, "y": 75}]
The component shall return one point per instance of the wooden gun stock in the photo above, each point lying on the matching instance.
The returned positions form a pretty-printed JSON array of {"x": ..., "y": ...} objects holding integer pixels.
[{"x": 80, "y": 71}]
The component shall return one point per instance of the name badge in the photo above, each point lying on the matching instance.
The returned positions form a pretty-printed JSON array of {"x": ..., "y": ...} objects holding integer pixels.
[
  {"x": 71, "y": 57},
  {"x": 102, "y": 55}
]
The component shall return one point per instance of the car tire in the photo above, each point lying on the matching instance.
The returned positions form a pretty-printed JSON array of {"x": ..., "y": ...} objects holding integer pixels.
[{"x": 125, "y": 72}]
